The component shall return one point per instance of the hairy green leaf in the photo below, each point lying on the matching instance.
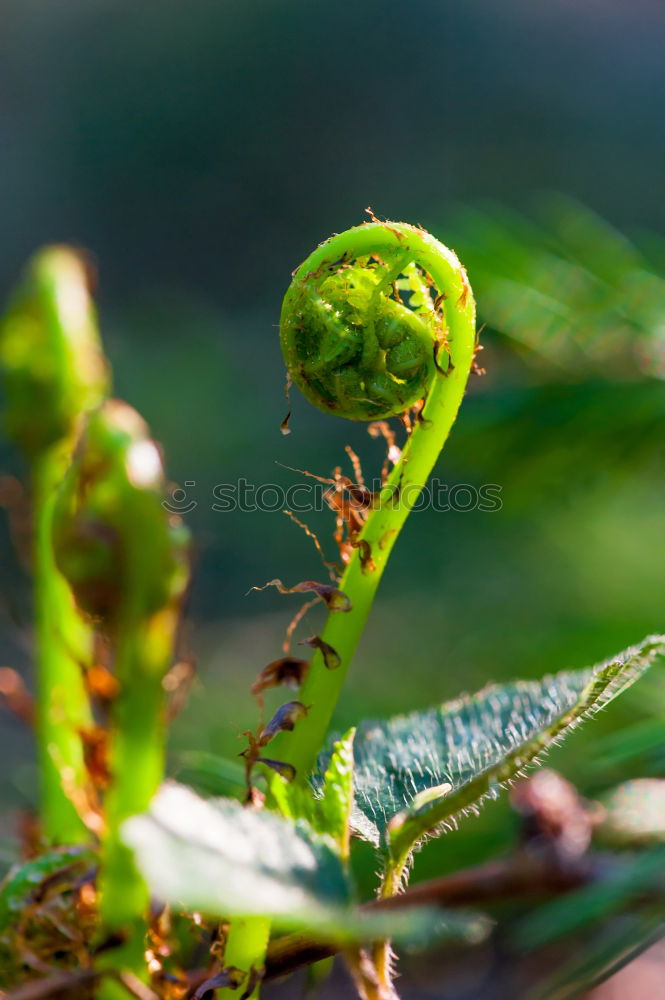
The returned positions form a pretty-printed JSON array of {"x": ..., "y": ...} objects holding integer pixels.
[
  {"x": 337, "y": 793},
  {"x": 416, "y": 772},
  {"x": 328, "y": 806}
]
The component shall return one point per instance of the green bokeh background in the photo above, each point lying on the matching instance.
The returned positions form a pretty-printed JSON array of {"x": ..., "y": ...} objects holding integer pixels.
[{"x": 200, "y": 151}]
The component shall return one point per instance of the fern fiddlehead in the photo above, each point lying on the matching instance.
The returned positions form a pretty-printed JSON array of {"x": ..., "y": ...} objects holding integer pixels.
[
  {"x": 361, "y": 335},
  {"x": 377, "y": 319}
]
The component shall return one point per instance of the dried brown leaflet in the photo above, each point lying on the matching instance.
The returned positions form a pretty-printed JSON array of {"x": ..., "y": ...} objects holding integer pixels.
[
  {"x": 230, "y": 977},
  {"x": 288, "y": 670},
  {"x": 331, "y": 657},
  {"x": 284, "y": 720},
  {"x": 295, "y": 621},
  {"x": 350, "y": 502},
  {"x": 381, "y": 428},
  {"x": 334, "y": 599},
  {"x": 284, "y": 426}
]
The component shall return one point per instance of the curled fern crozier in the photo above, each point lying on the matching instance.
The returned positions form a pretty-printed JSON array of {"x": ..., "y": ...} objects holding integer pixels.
[{"x": 363, "y": 325}]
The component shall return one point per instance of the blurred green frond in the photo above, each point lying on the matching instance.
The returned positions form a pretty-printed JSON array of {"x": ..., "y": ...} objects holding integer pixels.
[
  {"x": 594, "y": 958},
  {"x": 594, "y": 902},
  {"x": 582, "y": 310},
  {"x": 642, "y": 746},
  {"x": 556, "y": 438},
  {"x": 568, "y": 289}
]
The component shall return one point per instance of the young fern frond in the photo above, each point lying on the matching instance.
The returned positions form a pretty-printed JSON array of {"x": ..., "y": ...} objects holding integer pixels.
[
  {"x": 377, "y": 319},
  {"x": 126, "y": 560},
  {"x": 54, "y": 371}
]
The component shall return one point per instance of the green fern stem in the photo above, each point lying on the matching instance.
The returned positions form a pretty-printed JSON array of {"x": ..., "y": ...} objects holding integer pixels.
[
  {"x": 63, "y": 646},
  {"x": 126, "y": 561},
  {"x": 53, "y": 373},
  {"x": 143, "y": 654},
  {"x": 245, "y": 949},
  {"x": 356, "y": 349},
  {"x": 382, "y": 953},
  {"x": 442, "y": 384}
]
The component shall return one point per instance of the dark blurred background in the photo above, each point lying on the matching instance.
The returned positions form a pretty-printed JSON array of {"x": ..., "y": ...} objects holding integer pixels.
[{"x": 201, "y": 150}]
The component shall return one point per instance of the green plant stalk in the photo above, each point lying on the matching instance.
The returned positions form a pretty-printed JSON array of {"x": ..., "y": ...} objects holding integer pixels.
[
  {"x": 322, "y": 686},
  {"x": 382, "y": 953},
  {"x": 342, "y": 631},
  {"x": 126, "y": 562},
  {"x": 246, "y": 947},
  {"x": 64, "y": 643},
  {"x": 144, "y": 647},
  {"x": 53, "y": 372}
]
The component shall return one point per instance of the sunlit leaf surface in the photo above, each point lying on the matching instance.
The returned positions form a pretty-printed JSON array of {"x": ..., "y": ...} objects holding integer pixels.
[
  {"x": 415, "y": 772},
  {"x": 220, "y": 858},
  {"x": 224, "y": 860}
]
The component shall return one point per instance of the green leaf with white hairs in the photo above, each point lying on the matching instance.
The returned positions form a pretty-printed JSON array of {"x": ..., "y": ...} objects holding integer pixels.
[
  {"x": 328, "y": 806},
  {"x": 418, "y": 772},
  {"x": 337, "y": 793},
  {"x": 223, "y": 860}
]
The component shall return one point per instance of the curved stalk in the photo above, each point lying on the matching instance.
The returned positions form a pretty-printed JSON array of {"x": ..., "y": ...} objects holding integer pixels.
[
  {"x": 382, "y": 953},
  {"x": 322, "y": 687},
  {"x": 355, "y": 349},
  {"x": 54, "y": 371}
]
